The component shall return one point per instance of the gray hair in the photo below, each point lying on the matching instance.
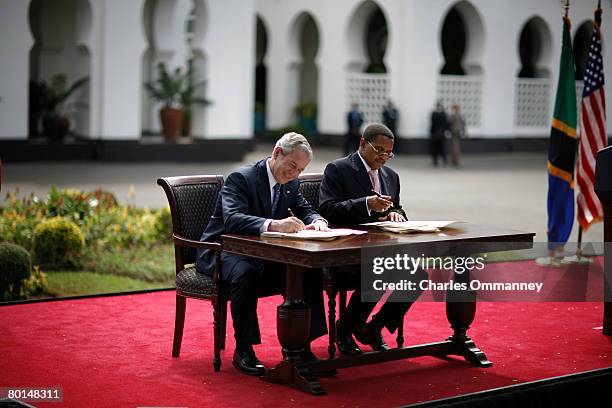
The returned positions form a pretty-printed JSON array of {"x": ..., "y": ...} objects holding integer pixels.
[{"x": 292, "y": 141}]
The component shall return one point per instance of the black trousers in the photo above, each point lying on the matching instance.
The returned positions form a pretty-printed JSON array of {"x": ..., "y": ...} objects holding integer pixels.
[
  {"x": 351, "y": 142},
  {"x": 357, "y": 312},
  {"x": 250, "y": 279},
  {"x": 438, "y": 149}
]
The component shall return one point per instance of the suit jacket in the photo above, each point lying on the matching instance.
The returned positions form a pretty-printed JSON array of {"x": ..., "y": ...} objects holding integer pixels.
[
  {"x": 354, "y": 122},
  {"x": 243, "y": 206},
  {"x": 345, "y": 187},
  {"x": 439, "y": 125}
]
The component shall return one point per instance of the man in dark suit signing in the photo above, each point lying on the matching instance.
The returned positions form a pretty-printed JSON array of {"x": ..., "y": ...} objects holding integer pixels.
[
  {"x": 348, "y": 197},
  {"x": 260, "y": 197}
]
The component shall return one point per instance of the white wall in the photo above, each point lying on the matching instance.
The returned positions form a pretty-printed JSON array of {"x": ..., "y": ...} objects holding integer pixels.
[
  {"x": 414, "y": 57},
  {"x": 108, "y": 44},
  {"x": 15, "y": 43},
  {"x": 229, "y": 42}
]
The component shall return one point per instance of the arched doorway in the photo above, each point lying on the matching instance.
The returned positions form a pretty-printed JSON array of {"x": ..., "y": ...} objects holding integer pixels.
[
  {"x": 581, "y": 44},
  {"x": 304, "y": 40},
  {"x": 462, "y": 43},
  {"x": 59, "y": 57},
  {"x": 367, "y": 79},
  {"x": 532, "y": 86},
  {"x": 261, "y": 84}
]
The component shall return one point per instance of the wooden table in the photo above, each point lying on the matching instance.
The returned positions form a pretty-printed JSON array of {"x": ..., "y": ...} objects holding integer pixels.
[{"x": 293, "y": 316}]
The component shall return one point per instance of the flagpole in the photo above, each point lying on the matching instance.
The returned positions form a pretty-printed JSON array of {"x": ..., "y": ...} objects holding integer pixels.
[
  {"x": 578, "y": 258},
  {"x": 560, "y": 202}
]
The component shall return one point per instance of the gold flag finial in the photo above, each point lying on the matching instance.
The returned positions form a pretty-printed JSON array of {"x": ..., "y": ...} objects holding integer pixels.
[{"x": 566, "y": 7}]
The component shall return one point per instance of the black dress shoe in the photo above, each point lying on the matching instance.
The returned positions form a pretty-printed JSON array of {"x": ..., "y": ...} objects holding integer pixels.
[
  {"x": 247, "y": 363},
  {"x": 346, "y": 344},
  {"x": 372, "y": 336}
]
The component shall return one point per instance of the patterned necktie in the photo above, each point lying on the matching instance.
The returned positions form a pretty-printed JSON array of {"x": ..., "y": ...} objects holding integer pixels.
[
  {"x": 275, "y": 198},
  {"x": 374, "y": 179}
]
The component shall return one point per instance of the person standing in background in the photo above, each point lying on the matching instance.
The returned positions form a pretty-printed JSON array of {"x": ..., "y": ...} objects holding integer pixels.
[
  {"x": 457, "y": 128},
  {"x": 390, "y": 118},
  {"x": 437, "y": 133},
  {"x": 354, "y": 120}
]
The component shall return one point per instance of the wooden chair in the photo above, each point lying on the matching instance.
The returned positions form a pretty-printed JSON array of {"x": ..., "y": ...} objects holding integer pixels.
[
  {"x": 192, "y": 202},
  {"x": 310, "y": 184}
]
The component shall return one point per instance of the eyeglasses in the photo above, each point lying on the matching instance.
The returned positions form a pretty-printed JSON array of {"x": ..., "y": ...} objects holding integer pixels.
[{"x": 379, "y": 153}]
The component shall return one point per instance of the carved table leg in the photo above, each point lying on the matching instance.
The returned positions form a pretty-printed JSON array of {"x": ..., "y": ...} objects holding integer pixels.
[
  {"x": 293, "y": 327},
  {"x": 460, "y": 312}
]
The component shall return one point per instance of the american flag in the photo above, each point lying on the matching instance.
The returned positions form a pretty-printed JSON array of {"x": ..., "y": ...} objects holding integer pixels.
[{"x": 593, "y": 135}]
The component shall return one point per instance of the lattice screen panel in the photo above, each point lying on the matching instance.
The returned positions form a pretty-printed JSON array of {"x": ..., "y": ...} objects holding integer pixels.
[
  {"x": 370, "y": 91},
  {"x": 466, "y": 91},
  {"x": 532, "y": 102}
]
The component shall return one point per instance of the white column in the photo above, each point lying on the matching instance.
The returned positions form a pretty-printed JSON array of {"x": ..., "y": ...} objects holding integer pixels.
[
  {"x": 500, "y": 62},
  {"x": 116, "y": 83},
  {"x": 15, "y": 44},
  {"x": 278, "y": 81},
  {"x": 420, "y": 63},
  {"x": 229, "y": 43}
]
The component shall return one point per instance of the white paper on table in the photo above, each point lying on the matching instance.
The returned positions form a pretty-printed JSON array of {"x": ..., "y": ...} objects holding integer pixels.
[
  {"x": 313, "y": 234},
  {"x": 409, "y": 226}
]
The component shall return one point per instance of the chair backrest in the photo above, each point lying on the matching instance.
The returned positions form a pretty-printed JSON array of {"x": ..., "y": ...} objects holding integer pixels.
[
  {"x": 192, "y": 202},
  {"x": 310, "y": 183}
]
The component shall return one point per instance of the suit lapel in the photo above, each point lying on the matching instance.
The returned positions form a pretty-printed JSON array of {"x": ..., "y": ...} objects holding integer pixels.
[
  {"x": 361, "y": 175},
  {"x": 384, "y": 181},
  {"x": 263, "y": 189}
]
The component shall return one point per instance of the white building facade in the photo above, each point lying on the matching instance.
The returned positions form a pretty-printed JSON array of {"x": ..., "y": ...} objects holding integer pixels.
[{"x": 497, "y": 59}]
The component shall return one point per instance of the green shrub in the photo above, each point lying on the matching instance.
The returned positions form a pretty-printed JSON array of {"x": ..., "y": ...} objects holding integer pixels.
[
  {"x": 19, "y": 217},
  {"x": 35, "y": 285},
  {"x": 163, "y": 224},
  {"x": 15, "y": 267},
  {"x": 70, "y": 203},
  {"x": 57, "y": 243},
  {"x": 105, "y": 199}
]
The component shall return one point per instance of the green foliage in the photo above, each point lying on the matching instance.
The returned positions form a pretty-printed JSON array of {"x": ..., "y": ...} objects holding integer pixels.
[
  {"x": 192, "y": 93},
  {"x": 119, "y": 240},
  {"x": 16, "y": 266},
  {"x": 73, "y": 283},
  {"x": 106, "y": 199},
  {"x": 57, "y": 243},
  {"x": 121, "y": 227},
  {"x": 19, "y": 217},
  {"x": 307, "y": 110},
  {"x": 54, "y": 93},
  {"x": 176, "y": 88},
  {"x": 168, "y": 86},
  {"x": 148, "y": 263},
  {"x": 70, "y": 203},
  {"x": 35, "y": 285},
  {"x": 163, "y": 224}
]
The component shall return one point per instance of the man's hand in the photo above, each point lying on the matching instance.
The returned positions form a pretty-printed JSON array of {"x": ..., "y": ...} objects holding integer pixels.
[
  {"x": 379, "y": 204},
  {"x": 393, "y": 216},
  {"x": 318, "y": 225},
  {"x": 290, "y": 224}
]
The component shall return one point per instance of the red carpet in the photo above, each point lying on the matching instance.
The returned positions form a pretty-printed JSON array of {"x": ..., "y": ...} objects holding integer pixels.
[{"x": 115, "y": 352}]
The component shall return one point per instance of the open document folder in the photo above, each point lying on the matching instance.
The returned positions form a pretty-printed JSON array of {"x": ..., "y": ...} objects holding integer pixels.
[
  {"x": 406, "y": 227},
  {"x": 314, "y": 235}
]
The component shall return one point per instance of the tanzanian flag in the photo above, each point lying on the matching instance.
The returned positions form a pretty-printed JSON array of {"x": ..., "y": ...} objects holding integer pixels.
[{"x": 562, "y": 149}]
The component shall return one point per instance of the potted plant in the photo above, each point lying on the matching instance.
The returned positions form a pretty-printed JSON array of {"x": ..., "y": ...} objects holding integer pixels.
[
  {"x": 306, "y": 113},
  {"x": 167, "y": 89},
  {"x": 52, "y": 97},
  {"x": 190, "y": 96}
]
